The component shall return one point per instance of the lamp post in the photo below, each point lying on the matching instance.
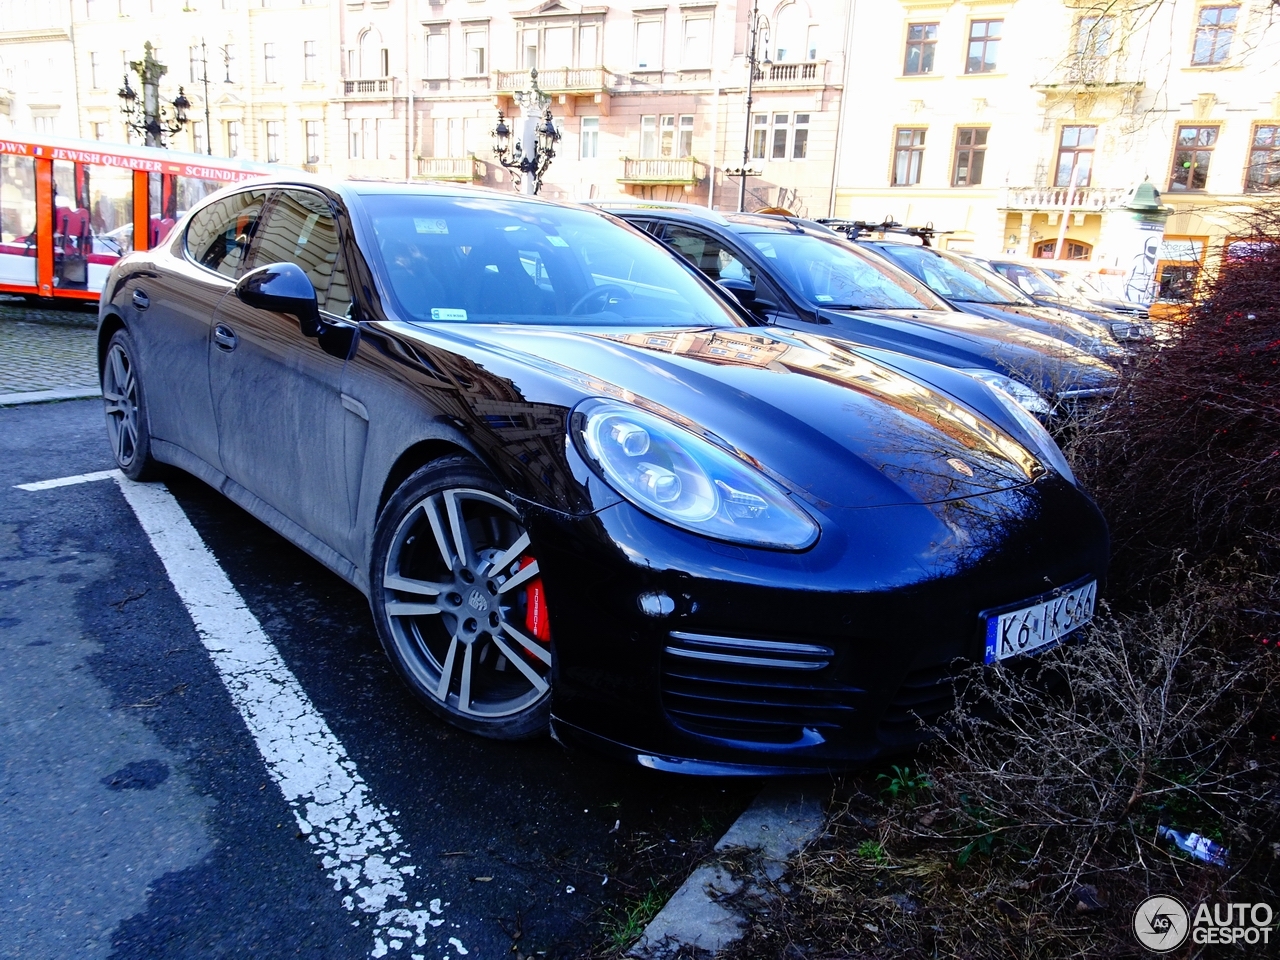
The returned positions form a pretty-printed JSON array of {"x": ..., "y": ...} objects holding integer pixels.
[
  {"x": 204, "y": 67},
  {"x": 535, "y": 147},
  {"x": 758, "y": 23},
  {"x": 152, "y": 118}
]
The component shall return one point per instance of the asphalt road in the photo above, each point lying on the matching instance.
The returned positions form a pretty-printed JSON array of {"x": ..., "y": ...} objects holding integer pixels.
[{"x": 138, "y": 817}]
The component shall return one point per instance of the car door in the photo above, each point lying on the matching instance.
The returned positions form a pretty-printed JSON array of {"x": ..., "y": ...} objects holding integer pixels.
[
  {"x": 172, "y": 314},
  {"x": 722, "y": 263},
  {"x": 277, "y": 393}
]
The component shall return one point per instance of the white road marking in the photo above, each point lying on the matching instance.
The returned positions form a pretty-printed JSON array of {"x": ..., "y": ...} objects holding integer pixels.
[
  {"x": 353, "y": 835},
  {"x": 70, "y": 481}
]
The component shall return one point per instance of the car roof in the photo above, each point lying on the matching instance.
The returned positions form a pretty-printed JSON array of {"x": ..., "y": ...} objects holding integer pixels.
[{"x": 735, "y": 222}]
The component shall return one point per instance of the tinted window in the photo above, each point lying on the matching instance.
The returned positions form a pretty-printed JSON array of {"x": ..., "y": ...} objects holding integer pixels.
[
  {"x": 952, "y": 279},
  {"x": 300, "y": 229},
  {"x": 1029, "y": 281},
  {"x": 509, "y": 261},
  {"x": 218, "y": 237},
  {"x": 830, "y": 273},
  {"x": 708, "y": 254}
]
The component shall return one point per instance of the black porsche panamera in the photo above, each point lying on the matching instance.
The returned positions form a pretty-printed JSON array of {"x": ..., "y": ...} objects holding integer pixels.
[{"x": 581, "y": 488}]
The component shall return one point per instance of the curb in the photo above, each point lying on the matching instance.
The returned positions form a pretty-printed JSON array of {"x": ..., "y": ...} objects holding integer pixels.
[
  {"x": 49, "y": 396},
  {"x": 778, "y": 824}
]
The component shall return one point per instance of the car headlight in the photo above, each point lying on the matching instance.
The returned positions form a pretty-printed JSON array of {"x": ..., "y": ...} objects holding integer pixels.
[
  {"x": 677, "y": 476},
  {"x": 1020, "y": 392},
  {"x": 1124, "y": 330},
  {"x": 1044, "y": 445}
]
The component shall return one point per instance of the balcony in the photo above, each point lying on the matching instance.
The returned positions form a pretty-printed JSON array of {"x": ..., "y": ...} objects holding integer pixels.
[
  {"x": 455, "y": 169},
  {"x": 1055, "y": 198},
  {"x": 808, "y": 73},
  {"x": 582, "y": 80},
  {"x": 1087, "y": 73},
  {"x": 370, "y": 89},
  {"x": 665, "y": 170}
]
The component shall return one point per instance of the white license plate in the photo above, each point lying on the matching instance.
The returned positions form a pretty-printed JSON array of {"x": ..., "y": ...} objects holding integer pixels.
[{"x": 1040, "y": 625}]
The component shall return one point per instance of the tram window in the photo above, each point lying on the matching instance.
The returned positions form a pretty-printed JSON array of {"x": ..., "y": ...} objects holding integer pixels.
[
  {"x": 218, "y": 237},
  {"x": 110, "y": 192},
  {"x": 170, "y": 197},
  {"x": 17, "y": 220}
]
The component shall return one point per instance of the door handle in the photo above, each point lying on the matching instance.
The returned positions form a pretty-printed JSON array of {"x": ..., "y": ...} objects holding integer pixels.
[
  {"x": 141, "y": 300},
  {"x": 225, "y": 337}
]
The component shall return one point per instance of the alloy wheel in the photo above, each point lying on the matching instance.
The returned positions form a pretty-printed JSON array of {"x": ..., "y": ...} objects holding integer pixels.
[{"x": 120, "y": 397}]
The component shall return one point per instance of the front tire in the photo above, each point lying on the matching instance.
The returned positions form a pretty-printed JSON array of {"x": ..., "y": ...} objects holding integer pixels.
[
  {"x": 125, "y": 404},
  {"x": 452, "y": 582}
]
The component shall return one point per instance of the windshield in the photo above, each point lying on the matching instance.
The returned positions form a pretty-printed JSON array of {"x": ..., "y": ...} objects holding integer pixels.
[
  {"x": 830, "y": 273},
  {"x": 1029, "y": 280},
  {"x": 953, "y": 279},
  {"x": 486, "y": 260},
  {"x": 1076, "y": 284}
]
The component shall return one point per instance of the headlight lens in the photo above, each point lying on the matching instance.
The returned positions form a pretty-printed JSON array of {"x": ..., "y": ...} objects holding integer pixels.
[
  {"x": 1020, "y": 392},
  {"x": 687, "y": 481},
  {"x": 1045, "y": 446}
]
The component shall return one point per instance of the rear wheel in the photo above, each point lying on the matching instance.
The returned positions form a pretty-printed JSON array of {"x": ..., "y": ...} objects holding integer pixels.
[
  {"x": 457, "y": 599},
  {"x": 125, "y": 404}
]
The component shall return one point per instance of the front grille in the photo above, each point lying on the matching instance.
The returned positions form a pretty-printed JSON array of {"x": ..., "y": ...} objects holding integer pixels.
[
  {"x": 925, "y": 695},
  {"x": 758, "y": 691}
]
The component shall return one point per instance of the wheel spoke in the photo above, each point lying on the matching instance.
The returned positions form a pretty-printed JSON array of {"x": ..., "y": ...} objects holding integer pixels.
[
  {"x": 397, "y": 609},
  {"x": 457, "y": 526},
  {"x": 524, "y": 576},
  {"x": 117, "y": 369},
  {"x": 528, "y": 643},
  {"x": 122, "y": 443},
  {"x": 421, "y": 588},
  {"x": 113, "y": 406},
  {"x": 501, "y": 563},
  {"x": 464, "y": 689},
  {"x": 431, "y": 507},
  {"x": 529, "y": 673},
  {"x": 446, "y": 673}
]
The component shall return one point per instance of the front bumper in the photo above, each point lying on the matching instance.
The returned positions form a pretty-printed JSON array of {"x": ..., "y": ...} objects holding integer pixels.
[{"x": 755, "y": 661}]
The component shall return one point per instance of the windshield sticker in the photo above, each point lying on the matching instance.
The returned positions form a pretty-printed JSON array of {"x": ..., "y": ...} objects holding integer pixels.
[
  {"x": 823, "y": 298},
  {"x": 430, "y": 225},
  {"x": 557, "y": 241},
  {"x": 445, "y": 313}
]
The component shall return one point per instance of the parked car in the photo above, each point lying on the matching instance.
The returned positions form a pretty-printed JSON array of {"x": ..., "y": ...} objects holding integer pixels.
[
  {"x": 975, "y": 289},
  {"x": 1080, "y": 287},
  {"x": 801, "y": 275},
  {"x": 579, "y": 487},
  {"x": 1036, "y": 283}
]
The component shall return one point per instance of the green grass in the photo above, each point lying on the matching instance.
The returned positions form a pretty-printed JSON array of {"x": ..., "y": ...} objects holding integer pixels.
[{"x": 624, "y": 925}]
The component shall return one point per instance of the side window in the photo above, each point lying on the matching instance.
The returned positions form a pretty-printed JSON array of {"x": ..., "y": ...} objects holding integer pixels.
[
  {"x": 300, "y": 229},
  {"x": 708, "y": 254},
  {"x": 218, "y": 237}
]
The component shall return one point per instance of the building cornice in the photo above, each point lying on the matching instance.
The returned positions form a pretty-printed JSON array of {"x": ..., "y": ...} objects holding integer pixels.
[{"x": 34, "y": 36}]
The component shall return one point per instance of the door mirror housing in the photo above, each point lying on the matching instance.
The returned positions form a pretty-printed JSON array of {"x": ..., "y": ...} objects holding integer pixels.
[{"x": 282, "y": 288}]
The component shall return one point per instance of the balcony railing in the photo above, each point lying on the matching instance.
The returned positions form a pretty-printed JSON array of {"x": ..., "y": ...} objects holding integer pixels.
[
  {"x": 556, "y": 79},
  {"x": 458, "y": 169},
  {"x": 682, "y": 170},
  {"x": 1055, "y": 198},
  {"x": 805, "y": 73},
  {"x": 1081, "y": 71},
  {"x": 380, "y": 86}
]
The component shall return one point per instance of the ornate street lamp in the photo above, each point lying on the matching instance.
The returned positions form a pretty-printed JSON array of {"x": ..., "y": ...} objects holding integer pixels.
[
  {"x": 149, "y": 116},
  {"x": 758, "y": 24},
  {"x": 531, "y": 154}
]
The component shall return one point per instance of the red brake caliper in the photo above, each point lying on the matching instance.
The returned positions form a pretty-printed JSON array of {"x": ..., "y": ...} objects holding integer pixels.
[{"x": 535, "y": 610}]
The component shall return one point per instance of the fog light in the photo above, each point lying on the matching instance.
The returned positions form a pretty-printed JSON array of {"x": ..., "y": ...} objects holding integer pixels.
[{"x": 655, "y": 604}]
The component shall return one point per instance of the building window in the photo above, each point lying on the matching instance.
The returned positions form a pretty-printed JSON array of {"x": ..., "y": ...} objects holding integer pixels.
[
  {"x": 589, "y": 45},
  {"x": 1093, "y": 37},
  {"x": 363, "y": 139},
  {"x": 1263, "y": 172},
  {"x": 759, "y": 135},
  {"x": 908, "y": 155},
  {"x": 667, "y": 136},
  {"x": 233, "y": 138},
  {"x": 971, "y": 152},
  {"x": 1071, "y": 250},
  {"x": 438, "y": 55},
  {"x": 1075, "y": 156},
  {"x": 781, "y": 133},
  {"x": 696, "y": 50},
  {"x": 194, "y": 74},
  {"x": 800, "y": 137},
  {"x": 477, "y": 43},
  {"x": 229, "y": 58},
  {"x": 684, "y": 146},
  {"x": 99, "y": 130},
  {"x": 312, "y": 129},
  {"x": 590, "y": 138},
  {"x": 268, "y": 63},
  {"x": 984, "y": 44},
  {"x": 922, "y": 38},
  {"x": 310, "y": 70},
  {"x": 557, "y": 47},
  {"x": 197, "y": 136},
  {"x": 273, "y": 140},
  {"x": 1214, "y": 32},
  {"x": 648, "y": 137},
  {"x": 43, "y": 123},
  {"x": 95, "y": 71},
  {"x": 648, "y": 44},
  {"x": 1192, "y": 151},
  {"x": 448, "y": 137}
]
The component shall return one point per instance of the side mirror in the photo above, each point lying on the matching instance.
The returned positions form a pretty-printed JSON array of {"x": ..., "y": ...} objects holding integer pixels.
[
  {"x": 743, "y": 290},
  {"x": 282, "y": 288}
]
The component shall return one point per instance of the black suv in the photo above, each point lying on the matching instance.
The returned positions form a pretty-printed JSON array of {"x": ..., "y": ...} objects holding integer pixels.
[{"x": 801, "y": 275}]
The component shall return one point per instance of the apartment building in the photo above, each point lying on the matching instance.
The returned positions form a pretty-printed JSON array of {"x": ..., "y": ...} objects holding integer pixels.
[
  {"x": 979, "y": 115},
  {"x": 37, "y": 82}
]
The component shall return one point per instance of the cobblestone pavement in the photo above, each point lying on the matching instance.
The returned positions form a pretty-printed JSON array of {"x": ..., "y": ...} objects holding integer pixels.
[{"x": 45, "y": 349}]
